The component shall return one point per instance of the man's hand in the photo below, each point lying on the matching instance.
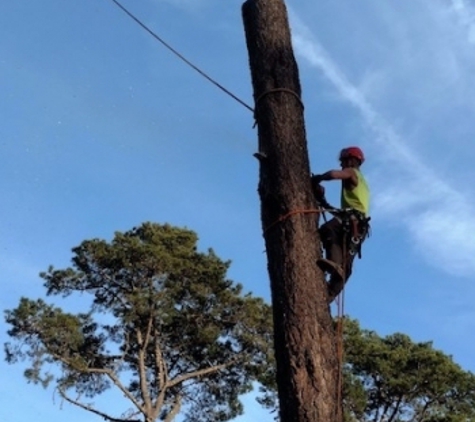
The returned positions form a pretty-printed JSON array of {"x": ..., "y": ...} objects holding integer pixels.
[
  {"x": 317, "y": 178},
  {"x": 317, "y": 188},
  {"x": 319, "y": 191}
]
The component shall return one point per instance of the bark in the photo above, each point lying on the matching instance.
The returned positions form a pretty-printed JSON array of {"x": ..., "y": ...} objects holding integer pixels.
[{"x": 305, "y": 340}]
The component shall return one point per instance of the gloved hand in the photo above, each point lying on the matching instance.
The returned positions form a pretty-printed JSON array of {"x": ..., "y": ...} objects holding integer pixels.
[
  {"x": 316, "y": 178},
  {"x": 317, "y": 188},
  {"x": 318, "y": 191}
]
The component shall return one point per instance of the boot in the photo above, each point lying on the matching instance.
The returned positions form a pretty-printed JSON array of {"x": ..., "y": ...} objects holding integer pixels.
[{"x": 329, "y": 266}]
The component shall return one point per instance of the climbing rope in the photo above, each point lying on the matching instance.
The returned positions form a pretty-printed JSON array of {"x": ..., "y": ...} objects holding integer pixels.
[
  {"x": 197, "y": 69},
  {"x": 340, "y": 350},
  {"x": 340, "y": 301},
  {"x": 270, "y": 91},
  {"x": 180, "y": 56}
]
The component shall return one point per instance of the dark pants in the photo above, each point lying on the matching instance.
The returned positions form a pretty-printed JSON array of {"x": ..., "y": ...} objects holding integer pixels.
[
  {"x": 336, "y": 244},
  {"x": 332, "y": 237}
]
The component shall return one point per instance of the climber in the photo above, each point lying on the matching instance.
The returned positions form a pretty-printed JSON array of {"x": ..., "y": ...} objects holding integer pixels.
[{"x": 342, "y": 236}]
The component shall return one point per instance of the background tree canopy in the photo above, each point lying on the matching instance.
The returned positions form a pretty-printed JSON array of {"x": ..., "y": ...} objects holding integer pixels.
[
  {"x": 394, "y": 379},
  {"x": 165, "y": 327},
  {"x": 172, "y": 334}
]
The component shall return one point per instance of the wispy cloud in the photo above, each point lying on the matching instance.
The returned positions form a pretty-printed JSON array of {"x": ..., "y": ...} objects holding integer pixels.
[
  {"x": 436, "y": 214},
  {"x": 466, "y": 15}
]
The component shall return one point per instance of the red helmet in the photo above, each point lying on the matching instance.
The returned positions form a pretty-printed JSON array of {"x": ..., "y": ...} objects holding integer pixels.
[{"x": 354, "y": 152}]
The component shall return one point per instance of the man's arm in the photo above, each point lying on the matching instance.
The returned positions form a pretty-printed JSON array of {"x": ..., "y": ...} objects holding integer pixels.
[{"x": 344, "y": 174}]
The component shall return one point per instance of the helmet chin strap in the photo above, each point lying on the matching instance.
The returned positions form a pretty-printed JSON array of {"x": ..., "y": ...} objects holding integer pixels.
[{"x": 350, "y": 162}]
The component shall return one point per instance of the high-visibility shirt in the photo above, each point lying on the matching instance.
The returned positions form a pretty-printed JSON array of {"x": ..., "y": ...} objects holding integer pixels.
[{"x": 358, "y": 197}]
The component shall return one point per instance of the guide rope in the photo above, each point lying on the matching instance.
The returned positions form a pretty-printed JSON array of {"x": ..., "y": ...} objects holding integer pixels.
[
  {"x": 169, "y": 47},
  {"x": 340, "y": 301}
]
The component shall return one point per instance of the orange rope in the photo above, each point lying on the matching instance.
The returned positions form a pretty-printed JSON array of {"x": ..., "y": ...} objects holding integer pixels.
[
  {"x": 340, "y": 350},
  {"x": 291, "y": 213}
]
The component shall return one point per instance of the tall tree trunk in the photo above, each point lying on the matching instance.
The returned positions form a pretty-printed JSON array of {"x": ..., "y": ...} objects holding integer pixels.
[{"x": 305, "y": 340}]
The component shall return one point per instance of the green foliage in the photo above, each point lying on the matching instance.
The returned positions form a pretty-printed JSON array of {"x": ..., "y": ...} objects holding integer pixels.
[
  {"x": 165, "y": 327},
  {"x": 394, "y": 379}
]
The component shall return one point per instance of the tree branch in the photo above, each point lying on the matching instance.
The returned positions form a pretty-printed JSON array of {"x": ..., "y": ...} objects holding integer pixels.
[
  {"x": 113, "y": 377},
  {"x": 396, "y": 408},
  {"x": 142, "y": 372},
  {"x": 383, "y": 413},
  {"x": 149, "y": 331},
  {"x": 377, "y": 397},
  {"x": 78, "y": 368},
  {"x": 121, "y": 359},
  {"x": 160, "y": 365},
  {"x": 174, "y": 361},
  {"x": 200, "y": 373},
  {"x": 91, "y": 409},
  {"x": 422, "y": 413},
  {"x": 103, "y": 371},
  {"x": 175, "y": 409},
  {"x": 161, "y": 374},
  {"x": 107, "y": 372}
]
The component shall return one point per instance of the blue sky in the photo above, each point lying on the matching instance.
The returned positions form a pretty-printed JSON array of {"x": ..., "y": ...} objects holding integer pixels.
[{"x": 103, "y": 128}]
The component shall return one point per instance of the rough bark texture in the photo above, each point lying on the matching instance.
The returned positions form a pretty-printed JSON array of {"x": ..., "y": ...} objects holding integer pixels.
[{"x": 305, "y": 342}]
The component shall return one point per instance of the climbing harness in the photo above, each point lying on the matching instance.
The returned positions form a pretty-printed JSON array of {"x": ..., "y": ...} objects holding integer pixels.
[
  {"x": 356, "y": 228},
  {"x": 355, "y": 224}
]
